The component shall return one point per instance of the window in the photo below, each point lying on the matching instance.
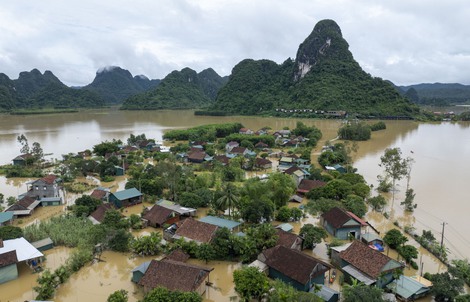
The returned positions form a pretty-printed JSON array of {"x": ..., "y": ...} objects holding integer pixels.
[
  {"x": 45, "y": 188},
  {"x": 37, "y": 187}
]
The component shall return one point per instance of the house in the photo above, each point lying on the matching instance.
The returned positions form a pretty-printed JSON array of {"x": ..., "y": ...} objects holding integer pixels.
[
  {"x": 230, "y": 145},
  {"x": 196, "y": 156},
  {"x": 182, "y": 211},
  {"x": 223, "y": 159},
  {"x": 139, "y": 272},
  {"x": 157, "y": 216},
  {"x": 246, "y": 131},
  {"x": 294, "y": 267},
  {"x": 410, "y": 288},
  {"x": 100, "y": 194},
  {"x": 23, "y": 207},
  {"x": 306, "y": 185},
  {"x": 260, "y": 145},
  {"x": 22, "y": 159},
  {"x": 367, "y": 265},
  {"x": 119, "y": 171},
  {"x": 44, "y": 187},
  {"x": 14, "y": 252},
  {"x": 342, "y": 224},
  {"x": 263, "y": 163},
  {"x": 192, "y": 230},
  {"x": 297, "y": 174},
  {"x": 222, "y": 223},
  {"x": 289, "y": 239},
  {"x": 175, "y": 276},
  {"x": 239, "y": 151},
  {"x": 6, "y": 218},
  {"x": 126, "y": 198},
  {"x": 97, "y": 216}
]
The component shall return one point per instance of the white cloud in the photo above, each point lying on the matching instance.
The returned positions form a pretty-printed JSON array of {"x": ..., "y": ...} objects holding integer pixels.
[{"x": 403, "y": 41}]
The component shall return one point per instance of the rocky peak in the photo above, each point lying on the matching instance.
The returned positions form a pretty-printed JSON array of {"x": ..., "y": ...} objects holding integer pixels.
[{"x": 324, "y": 42}]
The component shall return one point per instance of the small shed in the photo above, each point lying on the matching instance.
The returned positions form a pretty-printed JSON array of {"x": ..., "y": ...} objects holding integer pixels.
[
  {"x": 119, "y": 171},
  {"x": 409, "y": 288},
  {"x": 326, "y": 294},
  {"x": 285, "y": 227},
  {"x": 44, "y": 244},
  {"x": 8, "y": 268},
  {"x": 139, "y": 272}
]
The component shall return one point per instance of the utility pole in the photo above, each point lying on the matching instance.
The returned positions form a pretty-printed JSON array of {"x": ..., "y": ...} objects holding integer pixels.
[{"x": 442, "y": 238}]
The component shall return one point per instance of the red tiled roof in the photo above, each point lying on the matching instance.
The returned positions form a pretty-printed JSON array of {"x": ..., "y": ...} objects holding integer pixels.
[
  {"x": 8, "y": 258},
  {"x": 49, "y": 179},
  {"x": 306, "y": 185},
  {"x": 174, "y": 275},
  {"x": 197, "y": 155},
  {"x": 99, "y": 213},
  {"x": 294, "y": 264},
  {"x": 353, "y": 216},
  {"x": 238, "y": 150},
  {"x": 157, "y": 215},
  {"x": 365, "y": 259},
  {"x": 196, "y": 230}
]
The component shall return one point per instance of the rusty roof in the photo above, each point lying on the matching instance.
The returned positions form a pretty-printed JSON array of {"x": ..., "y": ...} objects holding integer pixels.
[
  {"x": 98, "y": 194},
  {"x": 49, "y": 179},
  {"x": 174, "y": 275},
  {"x": 158, "y": 214},
  {"x": 26, "y": 201},
  {"x": 307, "y": 184},
  {"x": 177, "y": 255},
  {"x": 366, "y": 259},
  {"x": 8, "y": 258},
  {"x": 197, "y": 155},
  {"x": 294, "y": 264},
  {"x": 196, "y": 230}
]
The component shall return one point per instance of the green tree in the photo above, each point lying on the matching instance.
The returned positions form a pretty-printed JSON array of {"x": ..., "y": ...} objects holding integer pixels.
[
  {"x": 147, "y": 245},
  {"x": 283, "y": 292},
  {"x": 281, "y": 187},
  {"x": 205, "y": 252},
  {"x": 10, "y": 232},
  {"x": 118, "y": 296},
  {"x": 395, "y": 166},
  {"x": 462, "y": 269},
  {"x": 85, "y": 205},
  {"x": 361, "y": 293},
  {"x": 120, "y": 240},
  {"x": 37, "y": 151},
  {"x": 356, "y": 205},
  {"x": 24, "y": 144},
  {"x": 409, "y": 200},
  {"x": 394, "y": 238},
  {"x": 161, "y": 294},
  {"x": 250, "y": 283},
  {"x": 114, "y": 220},
  {"x": 229, "y": 198},
  {"x": 312, "y": 235},
  {"x": 377, "y": 202},
  {"x": 107, "y": 147},
  {"x": 408, "y": 252},
  {"x": 284, "y": 214},
  {"x": 445, "y": 287}
]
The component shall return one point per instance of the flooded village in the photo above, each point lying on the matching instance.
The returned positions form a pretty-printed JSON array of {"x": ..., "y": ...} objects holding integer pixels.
[{"x": 200, "y": 205}]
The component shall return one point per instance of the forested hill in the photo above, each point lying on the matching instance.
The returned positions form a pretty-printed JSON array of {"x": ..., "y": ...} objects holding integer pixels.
[
  {"x": 179, "y": 90},
  {"x": 33, "y": 90},
  {"x": 115, "y": 84},
  {"x": 323, "y": 76},
  {"x": 437, "y": 93}
]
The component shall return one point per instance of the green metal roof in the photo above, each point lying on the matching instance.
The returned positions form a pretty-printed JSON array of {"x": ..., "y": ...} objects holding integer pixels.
[
  {"x": 127, "y": 194},
  {"x": 407, "y": 287},
  {"x": 220, "y": 222},
  {"x": 5, "y": 216}
]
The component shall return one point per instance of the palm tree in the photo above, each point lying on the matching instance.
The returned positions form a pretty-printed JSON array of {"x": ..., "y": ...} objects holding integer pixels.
[{"x": 228, "y": 199}]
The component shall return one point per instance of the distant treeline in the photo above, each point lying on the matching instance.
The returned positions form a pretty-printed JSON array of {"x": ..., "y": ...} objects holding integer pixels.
[{"x": 203, "y": 133}]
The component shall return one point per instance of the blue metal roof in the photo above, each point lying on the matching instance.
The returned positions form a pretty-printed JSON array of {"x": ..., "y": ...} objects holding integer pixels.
[
  {"x": 220, "y": 222},
  {"x": 127, "y": 194},
  {"x": 5, "y": 216}
]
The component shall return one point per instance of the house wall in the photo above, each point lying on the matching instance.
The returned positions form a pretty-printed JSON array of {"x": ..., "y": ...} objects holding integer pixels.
[
  {"x": 274, "y": 274},
  {"x": 343, "y": 233},
  {"x": 40, "y": 189},
  {"x": 385, "y": 279},
  {"x": 9, "y": 272},
  {"x": 136, "y": 276}
]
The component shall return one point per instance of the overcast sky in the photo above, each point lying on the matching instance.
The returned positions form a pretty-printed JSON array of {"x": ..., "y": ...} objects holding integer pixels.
[{"x": 405, "y": 41}]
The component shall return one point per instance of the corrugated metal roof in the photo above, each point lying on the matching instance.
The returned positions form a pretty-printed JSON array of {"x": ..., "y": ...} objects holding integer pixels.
[
  {"x": 356, "y": 274},
  {"x": 220, "y": 222},
  {"x": 5, "y": 216},
  {"x": 127, "y": 194}
]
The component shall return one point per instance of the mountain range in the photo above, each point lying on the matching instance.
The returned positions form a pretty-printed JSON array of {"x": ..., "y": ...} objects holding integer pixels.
[{"x": 323, "y": 76}]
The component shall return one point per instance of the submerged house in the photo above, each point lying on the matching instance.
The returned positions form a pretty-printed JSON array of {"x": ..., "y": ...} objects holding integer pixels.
[
  {"x": 342, "y": 224},
  {"x": 191, "y": 230},
  {"x": 126, "y": 198},
  {"x": 47, "y": 186},
  {"x": 23, "y": 207},
  {"x": 360, "y": 262},
  {"x": 22, "y": 159},
  {"x": 175, "y": 276},
  {"x": 288, "y": 239},
  {"x": 294, "y": 267},
  {"x": 410, "y": 288},
  {"x": 157, "y": 216},
  {"x": 222, "y": 223},
  {"x": 97, "y": 216}
]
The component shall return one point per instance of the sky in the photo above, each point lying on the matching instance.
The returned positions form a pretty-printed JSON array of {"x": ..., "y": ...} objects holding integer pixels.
[{"x": 404, "y": 41}]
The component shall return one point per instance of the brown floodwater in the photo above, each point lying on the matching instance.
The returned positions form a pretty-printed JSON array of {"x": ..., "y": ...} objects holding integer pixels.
[{"x": 439, "y": 177}]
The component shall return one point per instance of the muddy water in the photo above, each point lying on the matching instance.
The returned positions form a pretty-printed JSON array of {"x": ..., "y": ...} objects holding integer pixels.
[{"x": 439, "y": 178}]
